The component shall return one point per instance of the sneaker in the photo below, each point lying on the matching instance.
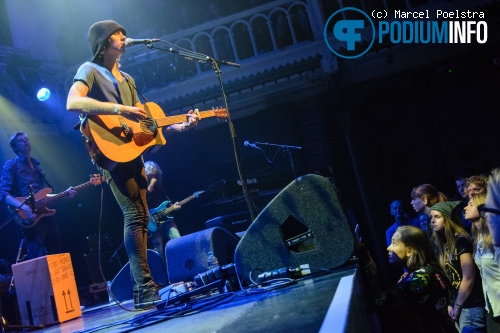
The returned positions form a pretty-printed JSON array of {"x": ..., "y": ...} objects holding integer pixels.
[{"x": 147, "y": 297}]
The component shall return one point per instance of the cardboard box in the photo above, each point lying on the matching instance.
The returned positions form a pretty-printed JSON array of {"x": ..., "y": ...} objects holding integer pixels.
[{"x": 46, "y": 290}]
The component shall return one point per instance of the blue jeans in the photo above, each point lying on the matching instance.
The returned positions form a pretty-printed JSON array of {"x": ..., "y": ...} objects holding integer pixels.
[
  {"x": 472, "y": 320},
  {"x": 129, "y": 186}
]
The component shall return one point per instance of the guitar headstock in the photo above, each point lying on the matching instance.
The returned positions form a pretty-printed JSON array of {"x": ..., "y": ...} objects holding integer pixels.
[
  {"x": 97, "y": 179},
  {"x": 220, "y": 112},
  {"x": 196, "y": 194}
]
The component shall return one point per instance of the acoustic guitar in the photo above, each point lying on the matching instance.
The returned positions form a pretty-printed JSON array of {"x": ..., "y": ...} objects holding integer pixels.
[
  {"x": 42, "y": 198},
  {"x": 112, "y": 139},
  {"x": 159, "y": 215}
]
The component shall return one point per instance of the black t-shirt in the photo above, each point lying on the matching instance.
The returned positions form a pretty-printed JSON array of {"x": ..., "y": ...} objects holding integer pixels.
[{"x": 454, "y": 271}]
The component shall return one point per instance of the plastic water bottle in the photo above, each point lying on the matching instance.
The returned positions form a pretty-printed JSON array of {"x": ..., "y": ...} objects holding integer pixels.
[
  {"x": 108, "y": 288},
  {"x": 212, "y": 261}
]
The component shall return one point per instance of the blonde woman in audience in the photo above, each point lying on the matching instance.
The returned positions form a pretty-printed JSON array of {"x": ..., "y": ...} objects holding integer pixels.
[
  {"x": 454, "y": 252},
  {"x": 485, "y": 255},
  {"x": 491, "y": 209}
]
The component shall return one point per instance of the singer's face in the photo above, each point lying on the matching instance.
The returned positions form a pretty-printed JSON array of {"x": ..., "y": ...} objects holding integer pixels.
[{"x": 117, "y": 42}]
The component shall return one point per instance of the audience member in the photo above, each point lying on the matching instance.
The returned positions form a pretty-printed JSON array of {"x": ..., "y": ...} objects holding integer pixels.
[
  {"x": 461, "y": 183},
  {"x": 400, "y": 219},
  {"x": 473, "y": 185},
  {"x": 454, "y": 250},
  {"x": 425, "y": 223},
  {"x": 476, "y": 185},
  {"x": 417, "y": 303},
  {"x": 484, "y": 256},
  {"x": 424, "y": 196},
  {"x": 491, "y": 208}
]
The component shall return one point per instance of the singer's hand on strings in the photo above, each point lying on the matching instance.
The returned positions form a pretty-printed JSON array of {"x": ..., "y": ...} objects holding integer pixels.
[
  {"x": 132, "y": 112},
  {"x": 192, "y": 118}
]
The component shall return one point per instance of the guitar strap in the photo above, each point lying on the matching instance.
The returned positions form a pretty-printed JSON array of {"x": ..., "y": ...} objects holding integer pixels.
[
  {"x": 39, "y": 170},
  {"x": 133, "y": 86}
]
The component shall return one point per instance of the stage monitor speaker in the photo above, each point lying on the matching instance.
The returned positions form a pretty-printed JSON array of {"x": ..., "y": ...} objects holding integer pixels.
[
  {"x": 303, "y": 224},
  {"x": 187, "y": 255},
  {"x": 122, "y": 287}
]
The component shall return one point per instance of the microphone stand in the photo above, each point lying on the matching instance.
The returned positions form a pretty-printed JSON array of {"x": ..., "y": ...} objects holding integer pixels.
[
  {"x": 287, "y": 149},
  {"x": 189, "y": 55}
]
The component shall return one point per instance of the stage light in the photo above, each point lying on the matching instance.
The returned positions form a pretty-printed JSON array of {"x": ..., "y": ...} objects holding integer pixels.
[{"x": 43, "y": 94}]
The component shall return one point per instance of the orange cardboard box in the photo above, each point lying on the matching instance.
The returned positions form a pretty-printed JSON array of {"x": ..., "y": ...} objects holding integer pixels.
[{"x": 46, "y": 290}]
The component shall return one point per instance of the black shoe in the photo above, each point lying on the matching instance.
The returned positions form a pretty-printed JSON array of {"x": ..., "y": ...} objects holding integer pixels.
[{"x": 147, "y": 297}]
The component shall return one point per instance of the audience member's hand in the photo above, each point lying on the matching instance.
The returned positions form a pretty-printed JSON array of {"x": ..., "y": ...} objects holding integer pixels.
[
  {"x": 357, "y": 239},
  {"x": 454, "y": 312}
]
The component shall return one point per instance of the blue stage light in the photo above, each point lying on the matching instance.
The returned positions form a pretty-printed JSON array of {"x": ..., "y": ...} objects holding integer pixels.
[{"x": 43, "y": 94}]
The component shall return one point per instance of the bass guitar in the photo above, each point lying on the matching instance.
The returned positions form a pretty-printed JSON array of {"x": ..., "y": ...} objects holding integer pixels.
[
  {"x": 42, "y": 199},
  {"x": 159, "y": 215},
  {"x": 112, "y": 139}
]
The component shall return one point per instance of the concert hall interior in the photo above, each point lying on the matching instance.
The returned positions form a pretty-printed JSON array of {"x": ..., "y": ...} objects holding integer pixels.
[{"x": 374, "y": 126}]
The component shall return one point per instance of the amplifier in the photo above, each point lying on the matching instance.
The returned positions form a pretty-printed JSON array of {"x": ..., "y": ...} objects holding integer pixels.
[{"x": 236, "y": 222}]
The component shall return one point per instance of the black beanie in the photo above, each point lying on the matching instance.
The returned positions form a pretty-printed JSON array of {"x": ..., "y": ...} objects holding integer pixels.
[{"x": 99, "y": 33}]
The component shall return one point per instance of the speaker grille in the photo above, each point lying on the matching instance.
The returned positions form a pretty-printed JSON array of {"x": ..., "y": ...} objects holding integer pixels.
[{"x": 303, "y": 224}]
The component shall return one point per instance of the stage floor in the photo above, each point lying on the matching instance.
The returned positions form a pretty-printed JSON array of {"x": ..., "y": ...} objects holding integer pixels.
[{"x": 304, "y": 306}]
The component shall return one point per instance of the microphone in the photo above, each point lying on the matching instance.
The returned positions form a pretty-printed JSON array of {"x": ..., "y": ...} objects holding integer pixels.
[
  {"x": 248, "y": 144},
  {"x": 130, "y": 41},
  {"x": 32, "y": 199}
]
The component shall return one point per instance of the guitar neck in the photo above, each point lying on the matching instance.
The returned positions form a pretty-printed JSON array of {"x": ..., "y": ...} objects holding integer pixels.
[
  {"x": 63, "y": 194},
  {"x": 186, "y": 200},
  {"x": 161, "y": 122},
  {"x": 172, "y": 208}
]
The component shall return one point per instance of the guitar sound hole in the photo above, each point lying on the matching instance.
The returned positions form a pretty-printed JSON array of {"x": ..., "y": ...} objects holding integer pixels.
[{"x": 149, "y": 126}]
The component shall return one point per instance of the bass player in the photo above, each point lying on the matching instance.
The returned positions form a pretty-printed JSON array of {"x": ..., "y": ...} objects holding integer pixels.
[
  {"x": 22, "y": 176},
  {"x": 155, "y": 197}
]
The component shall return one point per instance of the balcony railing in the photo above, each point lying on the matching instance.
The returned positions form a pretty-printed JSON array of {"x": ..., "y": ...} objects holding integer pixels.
[{"x": 242, "y": 36}]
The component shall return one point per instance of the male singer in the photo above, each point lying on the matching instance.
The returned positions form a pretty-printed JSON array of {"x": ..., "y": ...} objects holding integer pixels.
[{"x": 101, "y": 88}]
